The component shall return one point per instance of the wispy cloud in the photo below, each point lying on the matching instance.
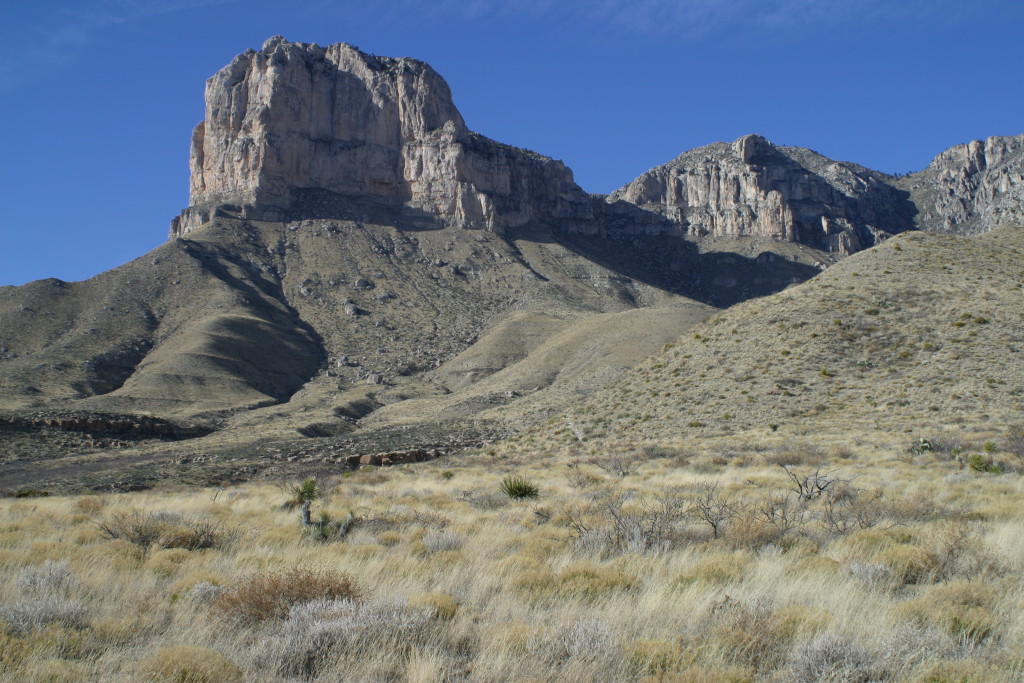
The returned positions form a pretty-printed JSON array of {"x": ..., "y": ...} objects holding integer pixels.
[
  {"x": 39, "y": 36},
  {"x": 687, "y": 18}
]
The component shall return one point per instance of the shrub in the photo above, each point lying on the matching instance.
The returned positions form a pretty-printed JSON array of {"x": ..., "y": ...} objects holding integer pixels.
[
  {"x": 165, "y": 530},
  {"x": 438, "y": 541},
  {"x": 89, "y": 504},
  {"x": 1014, "y": 443},
  {"x": 616, "y": 521},
  {"x": 519, "y": 487},
  {"x": 272, "y": 594},
  {"x": 445, "y": 606},
  {"x": 325, "y": 528},
  {"x": 45, "y": 598},
  {"x": 188, "y": 664},
  {"x": 983, "y": 463},
  {"x": 320, "y": 631},
  {"x": 35, "y": 612},
  {"x": 963, "y": 609},
  {"x": 204, "y": 592},
  {"x": 583, "y": 639},
  {"x": 48, "y": 578},
  {"x": 829, "y": 657}
]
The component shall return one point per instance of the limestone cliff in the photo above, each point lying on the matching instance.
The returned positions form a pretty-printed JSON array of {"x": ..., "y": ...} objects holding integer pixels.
[
  {"x": 296, "y": 131},
  {"x": 752, "y": 187},
  {"x": 294, "y": 127},
  {"x": 971, "y": 188}
]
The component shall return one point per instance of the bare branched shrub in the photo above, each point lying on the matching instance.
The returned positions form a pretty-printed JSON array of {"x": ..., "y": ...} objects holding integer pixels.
[
  {"x": 712, "y": 507},
  {"x": 618, "y": 521},
  {"x": 272, "y": 594},
  {"x": 579, "y": 478},
  {"x": 847, "y": 509},
  {"x": 616, "y": 464},
  {"x": 829, "y": 657},
  {"x": 584, "y": 639},
  {"x": 1014, "y": 442},
  {"x": 814, "y": 484},
  {"x": 783, "y": 512},
  {"x": 166, "y": 530}
]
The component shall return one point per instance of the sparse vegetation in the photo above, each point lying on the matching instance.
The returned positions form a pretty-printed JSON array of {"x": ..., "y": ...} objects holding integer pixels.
[
  {"x": 845, "y": 561},
  {"x": 519, "y": 487}
]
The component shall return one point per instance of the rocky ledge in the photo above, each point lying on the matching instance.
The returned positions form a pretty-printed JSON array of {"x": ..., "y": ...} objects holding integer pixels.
[{"x": 297, "y": 126}]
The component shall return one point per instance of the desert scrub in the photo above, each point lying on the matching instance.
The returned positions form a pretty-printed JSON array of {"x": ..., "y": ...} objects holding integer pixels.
[
  {"x": 166, "y": 530},
  {"x": 269, "y": 595},
  {"x": 322, "y": 634},
  {"x": 188, "y": 664},
  {"x": 517, "y": 487},
  {"x": 584, "y": 581},
  {"x": 49, "y": 594}
]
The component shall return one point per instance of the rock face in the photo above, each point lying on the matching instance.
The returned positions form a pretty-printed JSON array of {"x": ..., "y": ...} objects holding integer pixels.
[
  {"x": 295, "y": 127},
  {"x": 752, "y": 187},
  {"x": 296, "y": 131},
  {"x": 971, "y": 188}
]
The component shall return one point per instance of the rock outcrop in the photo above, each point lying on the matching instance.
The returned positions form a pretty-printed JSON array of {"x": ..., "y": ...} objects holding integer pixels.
[
  {"x": 297, "y": 130},
  {"x": 752, "y": 187},
  {"x": 971, "y": 188}
]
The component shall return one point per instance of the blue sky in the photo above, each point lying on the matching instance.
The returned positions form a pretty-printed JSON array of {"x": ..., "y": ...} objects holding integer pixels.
[{"x": 100, "y": 96}]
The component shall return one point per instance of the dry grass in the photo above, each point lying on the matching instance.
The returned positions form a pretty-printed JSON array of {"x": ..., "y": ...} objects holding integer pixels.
[
  {"x": 272, "y": 594},
  {"x": 603, "y": 577}
]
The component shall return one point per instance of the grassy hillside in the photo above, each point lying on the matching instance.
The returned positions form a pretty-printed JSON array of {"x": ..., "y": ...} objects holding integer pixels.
[{"x": 922, "y": 335}]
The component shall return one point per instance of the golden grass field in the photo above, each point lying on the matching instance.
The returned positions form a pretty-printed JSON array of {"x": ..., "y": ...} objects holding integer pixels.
[{"x": 648, "y": 564}]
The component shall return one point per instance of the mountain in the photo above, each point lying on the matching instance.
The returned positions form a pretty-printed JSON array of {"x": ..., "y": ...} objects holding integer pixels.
[
  {"x": 752, "y": 187},
  {"x": 970, "y": 189},
  {"x": 299, "y": 131},
  {"x": 358, "y": 271}
]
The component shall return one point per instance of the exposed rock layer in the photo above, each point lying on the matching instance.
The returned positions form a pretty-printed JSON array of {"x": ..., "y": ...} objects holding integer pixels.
[
  {"x": 971, "y": 188},
  {"x": 752, "y": 187},
  {"x": 294, "y": 122},
  {"x": 297, "y": 131}
]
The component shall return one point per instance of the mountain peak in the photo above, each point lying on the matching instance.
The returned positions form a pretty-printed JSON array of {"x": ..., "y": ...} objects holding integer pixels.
[{"x": 297, "y": 130}]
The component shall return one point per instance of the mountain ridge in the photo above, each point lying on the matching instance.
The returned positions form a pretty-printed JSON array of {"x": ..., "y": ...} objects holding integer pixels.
[{"x": 357, "y": 266}]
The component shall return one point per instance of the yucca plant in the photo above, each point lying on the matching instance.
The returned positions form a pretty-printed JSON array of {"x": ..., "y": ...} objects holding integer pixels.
[{"x": 519, "y": 487}]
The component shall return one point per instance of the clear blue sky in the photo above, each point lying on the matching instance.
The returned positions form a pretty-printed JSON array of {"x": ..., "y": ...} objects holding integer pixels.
[{"x": 100, "y": 96}]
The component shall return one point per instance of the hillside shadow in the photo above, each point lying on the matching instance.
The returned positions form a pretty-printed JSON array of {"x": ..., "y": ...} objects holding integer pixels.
[{"x": 647, "y": 248}]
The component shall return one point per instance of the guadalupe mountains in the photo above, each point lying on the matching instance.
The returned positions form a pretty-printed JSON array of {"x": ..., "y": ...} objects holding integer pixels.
[{"x": 358, "y": 272}]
